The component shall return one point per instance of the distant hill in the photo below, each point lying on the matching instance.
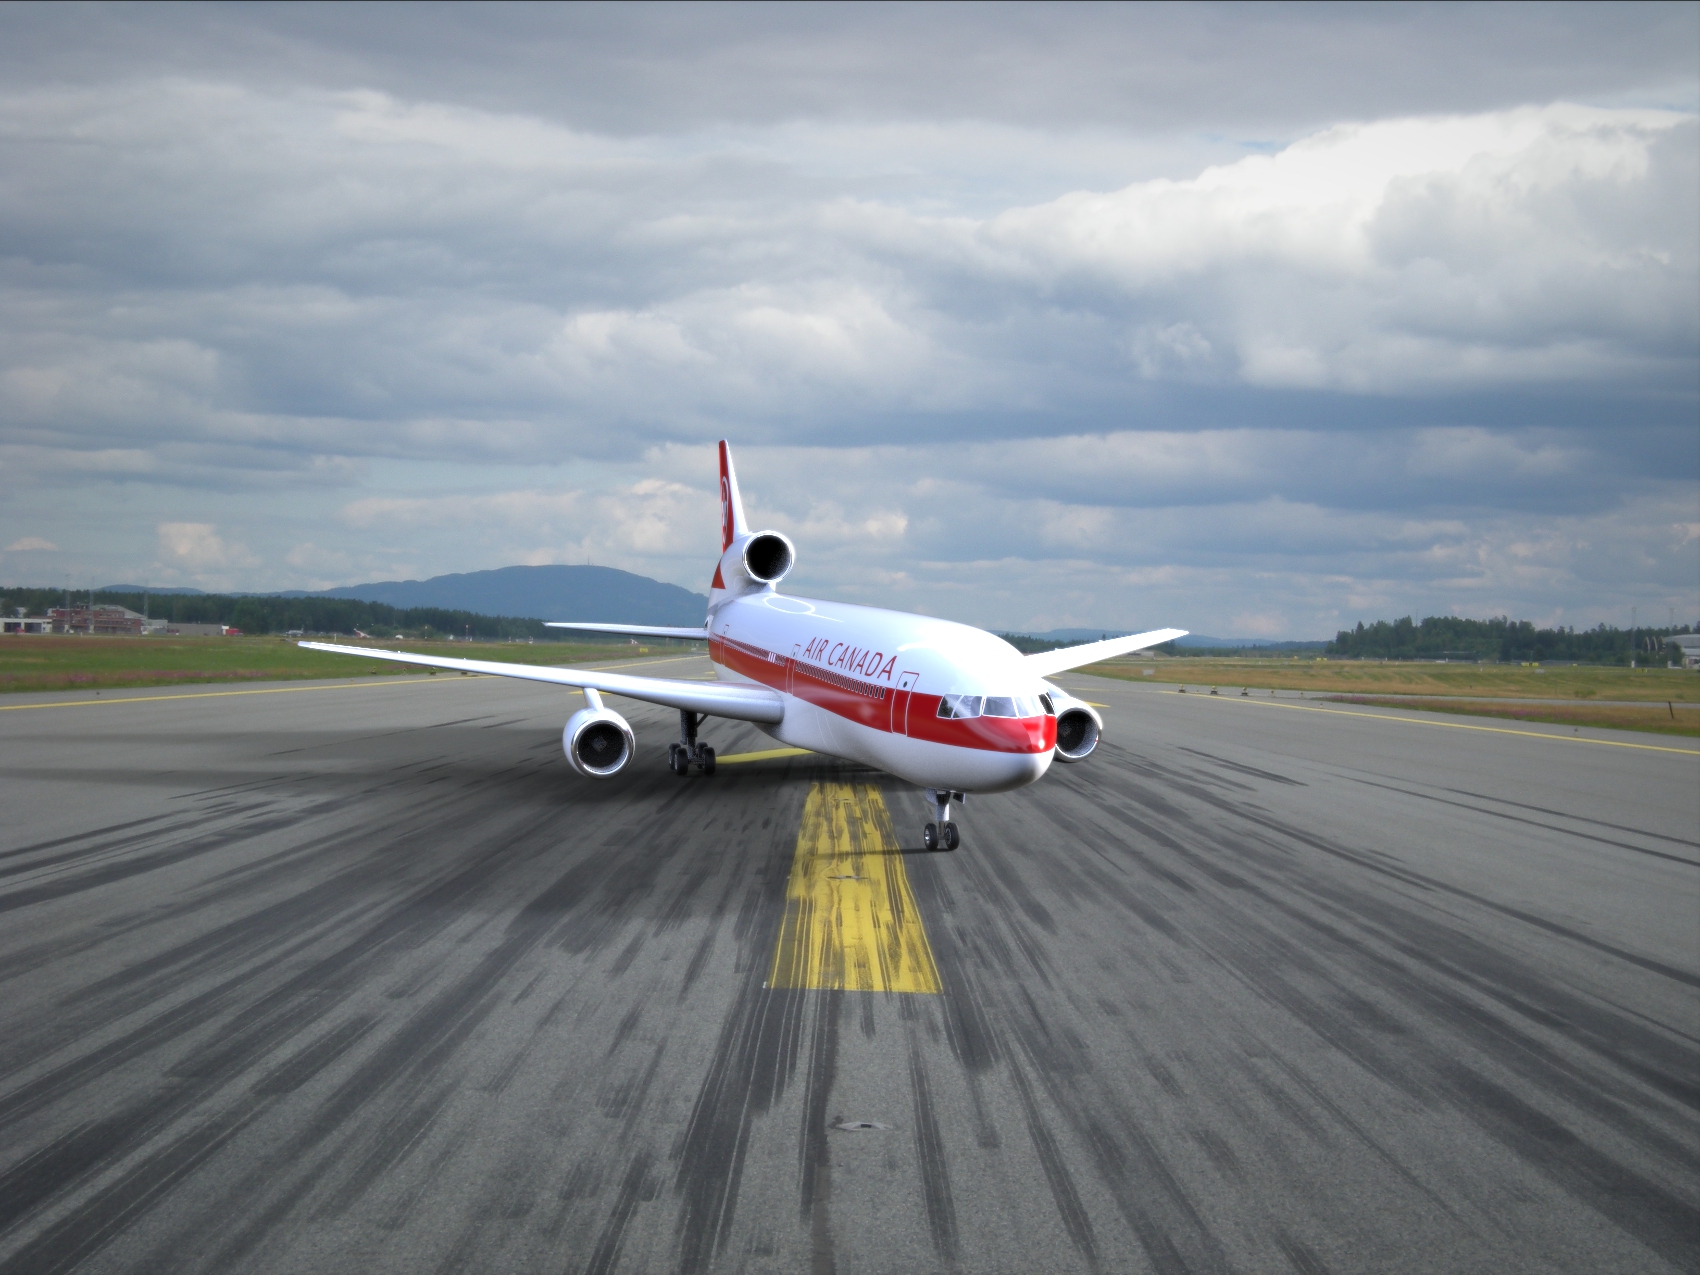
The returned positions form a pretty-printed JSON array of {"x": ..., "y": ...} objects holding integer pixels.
[
  {"x": 142, "y": 588},
  {"x": 546, "y": 593}
]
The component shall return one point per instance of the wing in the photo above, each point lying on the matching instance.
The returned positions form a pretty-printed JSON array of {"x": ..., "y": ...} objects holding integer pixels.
[
  {"x": 745, "y": 703},
  {"x": 700, "y": 633},
  {"x": 1047, "y": 662}
]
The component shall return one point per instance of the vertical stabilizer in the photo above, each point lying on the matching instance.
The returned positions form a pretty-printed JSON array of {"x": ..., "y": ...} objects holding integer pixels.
[{"x": 731, "y": 506}]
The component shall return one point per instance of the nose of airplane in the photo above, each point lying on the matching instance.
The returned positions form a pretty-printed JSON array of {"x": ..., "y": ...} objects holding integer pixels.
[{"x": 1015, "y": 770}]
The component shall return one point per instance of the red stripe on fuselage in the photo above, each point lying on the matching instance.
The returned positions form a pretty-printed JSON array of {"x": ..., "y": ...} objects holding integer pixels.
[{"x": 988, "y": 734}]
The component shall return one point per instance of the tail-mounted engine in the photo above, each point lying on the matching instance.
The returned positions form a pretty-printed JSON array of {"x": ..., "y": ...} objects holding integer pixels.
[
  {"x": 1078, "y": 727},
  {"x": 768, "y": 556},
  {"x": 598, "y": 742}
]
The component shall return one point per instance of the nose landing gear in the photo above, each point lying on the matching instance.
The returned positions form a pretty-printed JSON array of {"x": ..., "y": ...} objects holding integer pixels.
[
  {"x": 943, "y": 831},
  {"x": 687, "y": 752}
]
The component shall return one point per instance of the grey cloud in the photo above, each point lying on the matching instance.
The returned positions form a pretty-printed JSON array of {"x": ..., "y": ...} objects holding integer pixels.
[
  {"x": 987, "y": 299},
  {"x": 629, "y": 70}
]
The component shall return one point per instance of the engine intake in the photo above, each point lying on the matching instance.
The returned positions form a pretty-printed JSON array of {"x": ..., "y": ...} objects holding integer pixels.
[
  {"x": 1078, "y": 730},
  {"x": 598, "y": 742},
  {"x": 768, "y": 556}
]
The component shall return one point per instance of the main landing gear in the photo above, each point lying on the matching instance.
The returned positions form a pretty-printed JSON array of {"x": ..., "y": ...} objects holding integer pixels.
[
  {"x": 942, "y": 833},
  {"x": 687, "y": 752}
]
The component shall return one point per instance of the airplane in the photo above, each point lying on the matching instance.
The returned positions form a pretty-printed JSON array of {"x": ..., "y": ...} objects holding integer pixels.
[{"x": 952, "y": 709}]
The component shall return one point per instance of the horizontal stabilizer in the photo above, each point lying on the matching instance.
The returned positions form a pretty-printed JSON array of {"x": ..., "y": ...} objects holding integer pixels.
[
  {"x": 1060, "y": 661},
  {"x": 744, "y": 703},
  {"x": 699, "y": 633}
]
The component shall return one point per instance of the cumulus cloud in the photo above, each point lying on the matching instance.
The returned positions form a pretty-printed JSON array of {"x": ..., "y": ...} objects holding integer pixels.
[
  {"x": 200, "y": 550},
  {"x": 31, "y": 544}
]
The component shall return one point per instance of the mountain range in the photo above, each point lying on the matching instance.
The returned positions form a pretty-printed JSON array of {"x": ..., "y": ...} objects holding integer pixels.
[{"x": 544, "y": 593}]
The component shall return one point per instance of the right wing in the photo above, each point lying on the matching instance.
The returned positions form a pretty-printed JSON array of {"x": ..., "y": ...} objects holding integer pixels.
[
  {"x": 700, "y": 633},
  {"x": 1060, "y": 661},
  {"x": 745, "y": 703}
]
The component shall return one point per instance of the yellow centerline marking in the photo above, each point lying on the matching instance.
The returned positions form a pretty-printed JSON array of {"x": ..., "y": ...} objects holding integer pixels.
[
  {"x": 1495, "y": 730},
  {"x": 851, "y": 923},
  {"x": 765, "y": 755}
]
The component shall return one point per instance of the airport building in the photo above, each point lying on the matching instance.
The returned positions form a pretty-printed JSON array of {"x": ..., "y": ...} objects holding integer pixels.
[
  {"x": 1688, "y": 649},
  {"x": 95, "y": 619}
]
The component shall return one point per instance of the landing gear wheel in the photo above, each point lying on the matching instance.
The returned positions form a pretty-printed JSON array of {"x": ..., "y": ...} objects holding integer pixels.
[
  {"x": 952, "y": 838},
  {"x": 678, "y": 761},
  {"x": 930, "y": 836},
  {"x": 707, "y": 760}
]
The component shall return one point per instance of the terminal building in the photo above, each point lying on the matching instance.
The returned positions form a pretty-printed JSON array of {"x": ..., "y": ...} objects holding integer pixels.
[
  {"x": 96, "y": 619},
  {"x": 107, "y": 621}
]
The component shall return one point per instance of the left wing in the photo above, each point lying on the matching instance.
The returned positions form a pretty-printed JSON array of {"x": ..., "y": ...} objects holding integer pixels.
[
  {"x": 1060, "y": 661},
  {"x": 745, "y": 703}
]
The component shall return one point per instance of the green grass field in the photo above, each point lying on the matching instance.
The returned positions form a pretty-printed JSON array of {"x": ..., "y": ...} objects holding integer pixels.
[
  {"x": 1349, "y": 677},
  {"x": 1651, "y": 688},
  {"x": 99, "y": 663}
]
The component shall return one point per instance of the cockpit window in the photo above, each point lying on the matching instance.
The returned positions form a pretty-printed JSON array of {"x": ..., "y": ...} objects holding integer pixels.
[
  {"x": 989, "y": 706},
  {"x": 1045, "y": 703}
]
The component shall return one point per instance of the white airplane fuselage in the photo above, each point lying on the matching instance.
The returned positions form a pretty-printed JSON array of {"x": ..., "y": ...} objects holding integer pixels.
[{"x": 866, "y": 684}]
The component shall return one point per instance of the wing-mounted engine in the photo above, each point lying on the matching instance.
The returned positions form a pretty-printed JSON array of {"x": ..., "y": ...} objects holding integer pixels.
[
  {"x": 598, "y": 741},
  {"x": 1078, "y": 726}
]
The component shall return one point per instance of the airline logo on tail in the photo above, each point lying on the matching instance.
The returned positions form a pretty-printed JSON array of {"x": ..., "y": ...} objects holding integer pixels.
[{"x": 729, "y": 510}]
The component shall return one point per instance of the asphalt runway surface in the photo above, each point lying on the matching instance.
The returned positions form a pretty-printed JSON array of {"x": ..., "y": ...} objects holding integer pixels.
[{"x": 361, "y": 977}]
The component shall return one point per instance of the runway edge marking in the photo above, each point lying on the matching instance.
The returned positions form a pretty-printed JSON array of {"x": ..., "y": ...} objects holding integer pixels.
[
  {"x": 270, "y": 690},
  {"x": 288, "y": 690},
  {"x": 851, "y": 922},
  {"x": 1494, "y": 730}
]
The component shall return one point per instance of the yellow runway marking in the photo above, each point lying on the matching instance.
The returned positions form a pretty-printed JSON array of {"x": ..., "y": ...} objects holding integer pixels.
[
  {"x": 765, "y": 755},
  {"x": 272, "y": 690},
  {"x": 851, "y": 923},
  {"x": 1495, "y": 730}
]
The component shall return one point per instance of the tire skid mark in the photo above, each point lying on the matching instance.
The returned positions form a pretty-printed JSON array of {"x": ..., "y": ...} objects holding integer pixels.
[
  {"x": 932, "y": 1160},
  {"x": 1536, "y": 823},
  {"x": 1414, "y": 959}
]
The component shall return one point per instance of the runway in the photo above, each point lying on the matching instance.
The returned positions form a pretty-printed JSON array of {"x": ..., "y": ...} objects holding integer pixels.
[{"x": 361, "y": 977}]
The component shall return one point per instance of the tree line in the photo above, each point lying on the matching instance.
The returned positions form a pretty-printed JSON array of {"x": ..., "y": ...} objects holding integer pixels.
[
  {"x": 1506, "y": 640},
  {"x": 310, "y": 615}
]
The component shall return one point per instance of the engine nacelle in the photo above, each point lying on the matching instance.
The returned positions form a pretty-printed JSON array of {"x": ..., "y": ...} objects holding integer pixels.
[
  {"x": 768, "y": 557},
  {"x": 1078, "y": 727},
  {"x": 598, "y": 742}
]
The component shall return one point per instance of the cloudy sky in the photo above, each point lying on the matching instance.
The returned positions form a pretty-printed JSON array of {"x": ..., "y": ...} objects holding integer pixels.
[{"x": 1255, "y": 319}]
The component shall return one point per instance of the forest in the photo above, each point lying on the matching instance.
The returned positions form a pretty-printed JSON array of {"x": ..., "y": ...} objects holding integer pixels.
[
  {"x": 1504, "y": 640},
  {"x": 311, "y": 615}
]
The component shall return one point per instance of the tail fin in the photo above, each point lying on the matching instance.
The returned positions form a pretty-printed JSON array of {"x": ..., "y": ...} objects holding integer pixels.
[{"x": 731, "y": 506}]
